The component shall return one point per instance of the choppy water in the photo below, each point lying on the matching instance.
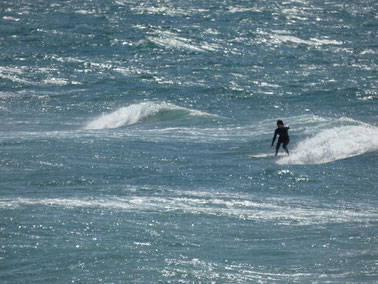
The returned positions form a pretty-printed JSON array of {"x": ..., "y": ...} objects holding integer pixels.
[{"x": 126, "y": 125}]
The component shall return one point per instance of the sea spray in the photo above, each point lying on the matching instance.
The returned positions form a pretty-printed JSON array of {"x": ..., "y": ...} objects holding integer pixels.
[{"x": 334, "y": 144}]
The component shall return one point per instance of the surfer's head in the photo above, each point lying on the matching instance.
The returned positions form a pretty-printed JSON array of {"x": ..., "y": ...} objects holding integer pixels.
[{"x": 280, "y": 122}]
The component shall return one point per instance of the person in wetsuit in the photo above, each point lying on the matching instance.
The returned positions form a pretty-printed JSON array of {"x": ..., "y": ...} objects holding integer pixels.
[{"x": 283, "y": 139}]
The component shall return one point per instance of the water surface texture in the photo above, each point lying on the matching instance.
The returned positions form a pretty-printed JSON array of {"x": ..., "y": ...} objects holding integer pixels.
[{"x": 126, "y": 125}]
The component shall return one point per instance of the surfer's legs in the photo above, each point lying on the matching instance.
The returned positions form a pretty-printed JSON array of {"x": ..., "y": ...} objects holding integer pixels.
[
  {"x": 278, "y": 147},
  {"x": 285, "y": 146}
]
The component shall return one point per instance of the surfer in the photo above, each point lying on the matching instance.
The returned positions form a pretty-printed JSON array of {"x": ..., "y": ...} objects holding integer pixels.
[{"x": 283, "y": 139}]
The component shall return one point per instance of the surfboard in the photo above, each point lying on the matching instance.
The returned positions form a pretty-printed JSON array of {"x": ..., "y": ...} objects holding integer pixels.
[{"x": 266, "y": 155}]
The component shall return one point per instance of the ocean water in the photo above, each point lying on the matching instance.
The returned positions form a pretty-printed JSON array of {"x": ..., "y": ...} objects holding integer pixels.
[{"x": 126, "y": 125}]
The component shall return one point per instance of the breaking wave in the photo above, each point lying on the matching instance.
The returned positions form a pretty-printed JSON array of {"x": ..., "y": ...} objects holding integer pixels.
[
  {"x": 142, "y": 112},
  {"x": 334, "y": 144}
]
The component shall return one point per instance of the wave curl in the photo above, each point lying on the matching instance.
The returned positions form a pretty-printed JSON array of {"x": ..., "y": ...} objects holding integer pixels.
[{"x": 142, "y": 112}]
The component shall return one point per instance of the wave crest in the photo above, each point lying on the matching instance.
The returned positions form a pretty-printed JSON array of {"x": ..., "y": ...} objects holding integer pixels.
[{"x": 142, "y": 112}]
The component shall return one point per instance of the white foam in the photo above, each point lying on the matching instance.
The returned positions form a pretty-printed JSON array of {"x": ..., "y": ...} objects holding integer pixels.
[
  {"x": 14, "y": 74},
  {"x": 165, "y": 10},
  {"x": 174, "y": 42},
  {"x": 134, "y": 114},
  {"x": 280, "y": 37},
  {"x": 312, "y": 41},
  {"x": 171, "y": 40},
  {"x": 283, "y": 211},
  {"x": 8, "y": 18},
  {"x": 334, "y": 144},
  {"x": 56, "y": 81}
]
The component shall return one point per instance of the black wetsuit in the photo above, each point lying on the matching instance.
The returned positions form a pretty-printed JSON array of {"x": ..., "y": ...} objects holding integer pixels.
[{"x": 284, "y": 137}]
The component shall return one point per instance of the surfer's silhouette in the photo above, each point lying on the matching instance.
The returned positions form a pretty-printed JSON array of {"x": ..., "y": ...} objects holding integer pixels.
[{"x": 283, "y": 139}]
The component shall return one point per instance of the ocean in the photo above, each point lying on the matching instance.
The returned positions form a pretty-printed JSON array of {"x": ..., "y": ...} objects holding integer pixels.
[{"x": 126, "y": 127}]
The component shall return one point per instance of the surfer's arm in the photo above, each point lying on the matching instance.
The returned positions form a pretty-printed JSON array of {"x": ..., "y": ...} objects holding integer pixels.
[{"x": 274, "y": 137}]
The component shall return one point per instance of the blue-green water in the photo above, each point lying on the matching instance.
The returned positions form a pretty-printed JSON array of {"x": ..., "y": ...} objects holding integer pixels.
[{"x": 126, "y": 125}]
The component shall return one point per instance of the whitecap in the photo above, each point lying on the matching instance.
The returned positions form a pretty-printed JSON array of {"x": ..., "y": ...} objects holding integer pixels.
[{"x": 334, "y": 144}]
